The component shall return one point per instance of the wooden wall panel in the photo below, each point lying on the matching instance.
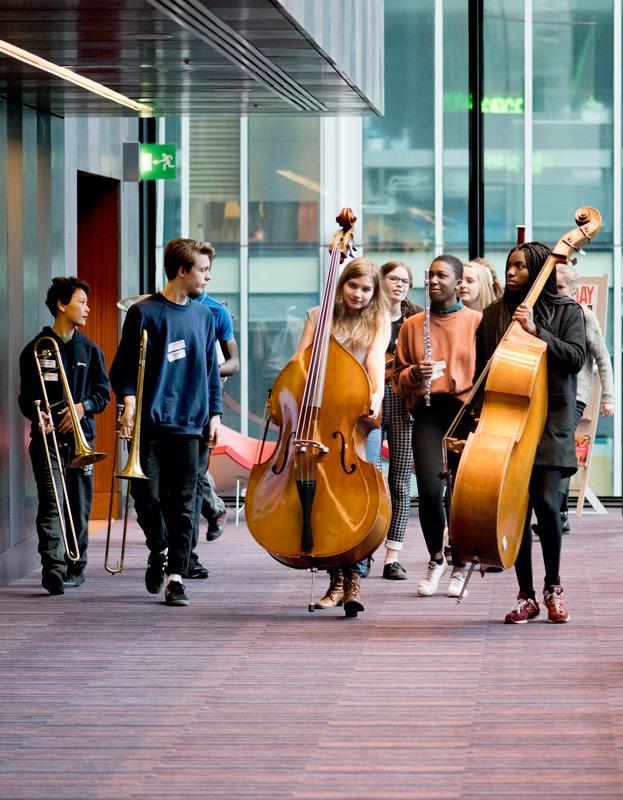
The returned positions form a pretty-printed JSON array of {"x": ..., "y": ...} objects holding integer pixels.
[{"x": 98, "y": 263}]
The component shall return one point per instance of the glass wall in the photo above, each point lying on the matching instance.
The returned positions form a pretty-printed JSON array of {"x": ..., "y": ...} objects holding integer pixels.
[
  {"x": 265, "y": 222},
  {"x": 398, "y": 160},
  {"x": 284, "y": 174},
  {"x": 214, "y": 215}
]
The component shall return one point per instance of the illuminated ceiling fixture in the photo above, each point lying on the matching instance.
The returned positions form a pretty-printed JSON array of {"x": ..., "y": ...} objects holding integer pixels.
[{"x": 68, "y": 75}]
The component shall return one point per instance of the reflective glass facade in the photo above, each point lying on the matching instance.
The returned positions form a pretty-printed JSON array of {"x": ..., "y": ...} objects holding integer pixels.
[{"x": 552, "y": 126}]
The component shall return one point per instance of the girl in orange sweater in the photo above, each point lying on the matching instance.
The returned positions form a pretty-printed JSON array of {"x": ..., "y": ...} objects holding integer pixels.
[{"x": 450, "y": 371}]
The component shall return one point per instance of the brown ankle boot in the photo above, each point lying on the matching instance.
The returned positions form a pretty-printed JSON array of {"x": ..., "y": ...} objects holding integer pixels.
[
  {"x": 335, "y": 593},
  {"x": 352, "y": 593}
]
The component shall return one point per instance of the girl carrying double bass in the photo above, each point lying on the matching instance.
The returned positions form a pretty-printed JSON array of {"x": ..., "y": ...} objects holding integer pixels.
[
  {"x": 558, "y": 321},
  {"x": 361, "y": 324}
]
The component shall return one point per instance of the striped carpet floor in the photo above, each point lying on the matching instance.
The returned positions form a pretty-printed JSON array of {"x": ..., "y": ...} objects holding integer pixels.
[{"x": 107, "y": 693}]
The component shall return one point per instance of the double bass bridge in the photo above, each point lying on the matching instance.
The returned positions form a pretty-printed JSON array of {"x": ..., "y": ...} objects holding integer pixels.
[{"x": 310, "y": 447}]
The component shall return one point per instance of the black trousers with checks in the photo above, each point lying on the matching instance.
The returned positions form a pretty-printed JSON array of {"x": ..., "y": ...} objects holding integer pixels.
[{"x": 397, "y": 428}]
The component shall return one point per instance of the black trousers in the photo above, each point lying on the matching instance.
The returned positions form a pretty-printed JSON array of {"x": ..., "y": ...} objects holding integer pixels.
[
  {"x": 165, "y": 504},
  {"x": 544, "y": 499},
  {"x": 79, "y": 483},
  {"x": 207, "y": 503},
  {"x": 429, "y": 426}
]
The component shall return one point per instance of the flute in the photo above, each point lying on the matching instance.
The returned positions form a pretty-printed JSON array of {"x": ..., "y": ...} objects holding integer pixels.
[{"x": 428, "y": 350}]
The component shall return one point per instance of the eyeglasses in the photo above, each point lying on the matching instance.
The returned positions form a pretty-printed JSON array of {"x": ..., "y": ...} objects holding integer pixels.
[{"x": 403, "y": 281}]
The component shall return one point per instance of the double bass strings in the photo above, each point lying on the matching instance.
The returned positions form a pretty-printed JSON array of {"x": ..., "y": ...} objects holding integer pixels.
[{"x": 310, "y": 410}]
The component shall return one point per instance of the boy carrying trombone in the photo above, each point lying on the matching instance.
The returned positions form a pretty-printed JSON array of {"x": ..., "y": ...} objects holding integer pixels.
[{"x": 52, "y": 396}]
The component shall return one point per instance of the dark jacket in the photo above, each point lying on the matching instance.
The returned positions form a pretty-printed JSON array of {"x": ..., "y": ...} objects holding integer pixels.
[
  {"x": 84, "y": 366},
  {"x": 182, "y": 388},
  {"x": 565, "y": 337}
]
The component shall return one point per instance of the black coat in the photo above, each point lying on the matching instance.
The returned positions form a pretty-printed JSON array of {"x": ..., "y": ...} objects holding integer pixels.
[
  {"x": 565, "y": 337},
  {"x": 84, "y": 366}
]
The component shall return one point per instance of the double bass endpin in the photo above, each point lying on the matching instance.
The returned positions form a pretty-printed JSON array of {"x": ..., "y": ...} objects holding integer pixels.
[{"x": 313, "y": 571}]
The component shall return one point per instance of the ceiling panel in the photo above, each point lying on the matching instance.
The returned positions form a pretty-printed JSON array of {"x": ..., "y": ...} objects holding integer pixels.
[{"x": 178, "y": 56}]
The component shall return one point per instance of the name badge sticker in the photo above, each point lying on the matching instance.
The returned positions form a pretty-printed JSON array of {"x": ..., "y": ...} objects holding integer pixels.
[
  {"x": 439, "y": 368},
  {"x": 176, "y": 350},
  {"x": 50, "y": 376},
  {"x": 48, "y": 363}
]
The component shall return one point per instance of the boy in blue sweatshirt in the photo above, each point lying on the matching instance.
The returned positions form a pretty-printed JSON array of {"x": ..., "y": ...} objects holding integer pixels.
[
  {"x": 181, "y": 409},
  {"x": 84, "y": 367}
]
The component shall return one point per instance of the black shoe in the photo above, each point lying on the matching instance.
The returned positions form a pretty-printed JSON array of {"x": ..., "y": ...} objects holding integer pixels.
[
  {"x": 216, "y": 527},
  {"x": 395, "y": 572},
  {"x": 154, "y": 574},
  {"x": 197, "y": 571},
  {"x": 535, "y": 530},
  {"x": 564, "y": 517},
  {"x": 73, "y": 581},
  {"x": 174, "y": 594},
  {"x": 52, "y": 582}
]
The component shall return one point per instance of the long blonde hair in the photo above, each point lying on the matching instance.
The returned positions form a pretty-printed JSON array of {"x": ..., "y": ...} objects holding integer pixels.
[
  {"x": 360, "y": 327},
  {"x": 486, "y": 290}
]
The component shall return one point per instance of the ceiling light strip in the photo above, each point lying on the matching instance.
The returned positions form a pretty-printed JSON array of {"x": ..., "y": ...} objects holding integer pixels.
[
  {"x": 69, "y": 75},
  {"x": 203, "y": 23}
]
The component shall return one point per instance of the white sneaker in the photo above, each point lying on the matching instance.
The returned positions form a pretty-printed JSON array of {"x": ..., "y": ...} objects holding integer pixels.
[
  {"x": 457, "y": 580},
  {"x": 429, "y": 583}
]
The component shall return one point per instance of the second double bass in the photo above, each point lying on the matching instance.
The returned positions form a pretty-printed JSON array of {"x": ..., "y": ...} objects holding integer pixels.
[
  {"x": 490, "y": 498},
  {"x": 316, "y": 502}
]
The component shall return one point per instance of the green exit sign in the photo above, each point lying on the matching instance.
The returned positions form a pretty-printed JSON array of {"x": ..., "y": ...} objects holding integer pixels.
[{"x": 157, "y": 162}]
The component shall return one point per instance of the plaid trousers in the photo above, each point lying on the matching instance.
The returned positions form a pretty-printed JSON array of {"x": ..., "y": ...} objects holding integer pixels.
[{"x": 397, "y": 428}]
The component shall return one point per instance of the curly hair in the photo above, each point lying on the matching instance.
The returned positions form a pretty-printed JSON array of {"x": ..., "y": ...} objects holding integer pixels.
[{"x": 62, "y": 290}]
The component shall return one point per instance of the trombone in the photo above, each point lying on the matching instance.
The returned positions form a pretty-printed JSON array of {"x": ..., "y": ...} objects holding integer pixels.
[
  {"x": 83, "y": 454},
  {"x": 132, "y": 469}
]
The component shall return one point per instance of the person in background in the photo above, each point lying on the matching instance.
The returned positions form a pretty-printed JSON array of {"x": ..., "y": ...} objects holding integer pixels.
[
  {"x": 497, "y": 288},
  {"x": 596, "y": 357},
  {"x": 209, "y": 504},
  {"x": 396, "y": 280},
  {"x": 477, "y": 290},
  {"x": 83, "y": 362}
]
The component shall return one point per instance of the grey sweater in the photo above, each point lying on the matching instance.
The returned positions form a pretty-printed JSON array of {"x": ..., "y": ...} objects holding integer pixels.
[{"x": 596, "y": 353}]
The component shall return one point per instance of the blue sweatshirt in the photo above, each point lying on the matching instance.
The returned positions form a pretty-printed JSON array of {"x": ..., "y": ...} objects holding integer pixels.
[{"x": 182, "y": 388}]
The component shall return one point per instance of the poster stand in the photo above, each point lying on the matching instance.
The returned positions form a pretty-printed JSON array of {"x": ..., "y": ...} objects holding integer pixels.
[{"x": 592, "y": 293}]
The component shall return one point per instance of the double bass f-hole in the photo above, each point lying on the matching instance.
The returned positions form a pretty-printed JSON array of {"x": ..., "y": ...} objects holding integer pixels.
[
  {"x": 286, "y": 455},
  {"x": 353, "y": 467}
]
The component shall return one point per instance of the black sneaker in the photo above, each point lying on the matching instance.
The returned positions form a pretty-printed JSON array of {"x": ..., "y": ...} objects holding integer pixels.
[
  {"x": 73, "y": 581},
  {"x": 197, "y": 571},
  {"x": 216, "y": 527},
  {"x": 174, "y": 594},
  {"x": 395, "y": 572},
  {"x": 52, "y": 582},
  {"x": 154, "y": 574}
]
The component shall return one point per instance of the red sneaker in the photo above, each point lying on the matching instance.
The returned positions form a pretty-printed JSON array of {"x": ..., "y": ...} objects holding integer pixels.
[
  {"x": 556, "y": 609},
  {"x": 526, "y": 609}
]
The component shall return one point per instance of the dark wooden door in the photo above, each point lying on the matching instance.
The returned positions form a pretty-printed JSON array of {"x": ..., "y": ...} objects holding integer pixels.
[{"x": 98, "y": 263}]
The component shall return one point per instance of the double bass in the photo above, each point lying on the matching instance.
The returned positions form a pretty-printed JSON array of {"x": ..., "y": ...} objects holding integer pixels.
[
  {"x": 490, "y": 492},
  {"x": 316, "y": 502}
]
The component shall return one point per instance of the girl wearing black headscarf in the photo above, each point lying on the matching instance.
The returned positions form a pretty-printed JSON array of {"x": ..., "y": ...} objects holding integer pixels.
[{"x": 558, "y": 321}]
